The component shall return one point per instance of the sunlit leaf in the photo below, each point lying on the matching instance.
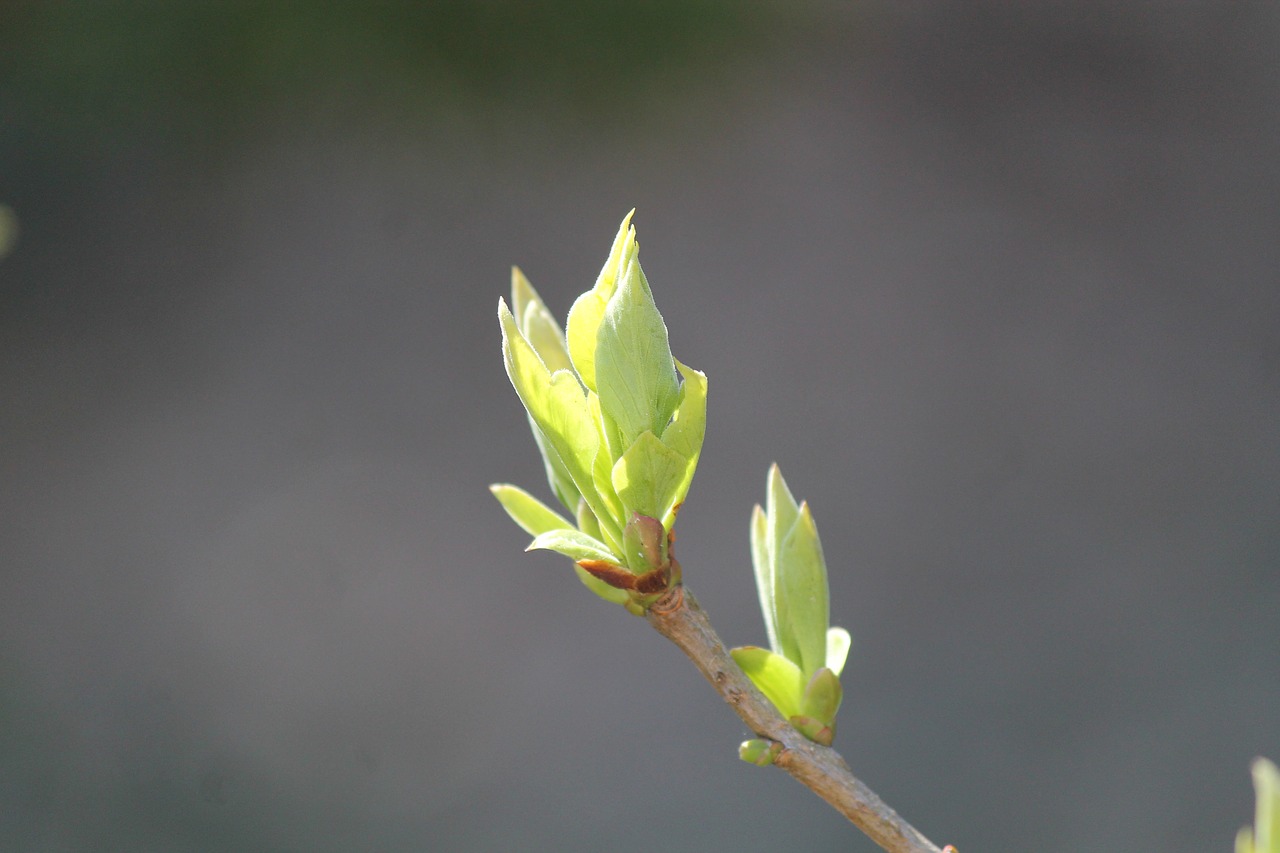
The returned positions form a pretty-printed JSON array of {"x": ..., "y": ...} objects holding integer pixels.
[
  {"x": 588, "y": 309},
  {"x": 777, "y": 678},
  {"x": 527, "y": 511},
  {"x": 558, "y": 476},
  {"x": 781, "y": 512},
  {"x": 647, "y": 476},
  {"x": 763, "y": 566},
  {"x": 634, "y": 371},
  {"x": 686, "y": 432},
  {"x": 537, "y": 324},
  {"x": 557, "y": 404},
  {"x": 801, "y": 591},
  {"x": 575, "y": 545}
]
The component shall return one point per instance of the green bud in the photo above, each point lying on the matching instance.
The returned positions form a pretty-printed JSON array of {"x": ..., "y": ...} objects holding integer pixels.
[
  {"x": 759, "y": 751},
  {"x": 618, "y": 421},
  {"x": 791, "y": 579},
  {"x": 644, "y": 543},
  {"x": 815, "y": 730},
  {"x": 635, "y": 373}
]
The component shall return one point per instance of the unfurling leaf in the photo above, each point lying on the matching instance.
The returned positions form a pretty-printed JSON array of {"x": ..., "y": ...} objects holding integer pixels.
[
  {"x": 527, "y": 511},
  {"x": 618, "y": 422},
  {"x": 635, "y": 373},
  {"x": 791, "y": 578},
  {"x": 588, "y": 310},
  {"x": 574, "y": 544}
]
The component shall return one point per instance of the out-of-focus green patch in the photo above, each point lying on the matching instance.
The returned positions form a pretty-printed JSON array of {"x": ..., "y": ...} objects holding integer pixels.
[{"x": 87, "y": 72}]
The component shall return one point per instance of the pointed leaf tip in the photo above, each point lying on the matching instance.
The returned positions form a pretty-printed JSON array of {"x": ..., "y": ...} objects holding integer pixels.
[{"x": 531, "y": 514}]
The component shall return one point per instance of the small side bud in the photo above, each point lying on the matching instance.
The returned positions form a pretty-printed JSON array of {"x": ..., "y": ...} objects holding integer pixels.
[
  {"x": 759, "y": 751},
  {"x": 815, "y": 730},
  {"x": 644, "y": 542}
]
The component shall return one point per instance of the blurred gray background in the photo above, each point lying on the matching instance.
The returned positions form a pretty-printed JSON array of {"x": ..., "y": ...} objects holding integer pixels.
[{"x": 996, "y": 284}]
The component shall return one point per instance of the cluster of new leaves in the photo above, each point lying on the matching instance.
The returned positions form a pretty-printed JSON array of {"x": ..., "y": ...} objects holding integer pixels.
[
  {"x": 799, "y": 672},
  {"x": 619, "y": 423},
  {"x": 1265, "y": 835}
]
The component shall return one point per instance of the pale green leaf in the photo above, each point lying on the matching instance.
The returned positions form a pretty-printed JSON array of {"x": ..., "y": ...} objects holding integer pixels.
[
  {"x": 522, "y": 295},
  {"x": 838, "y": 644},
  {"x": 575, "y": 545},
  {"x": 777, "y": 678},
  {"x": 581, "y": 329},
  {"x": 537, "y": 324},
  {"x": 544, "y": 335},
  {"x": 801, "y": 592},
  {"x": 685, "y": 433},
  {"x": 634, "y": 371},
  {"x": 558, "y": 476},
  {"x": 557, "y": 404},
  {"x": 588, "y": 309},
  {"x": 781, "y": 511},
  {"x": 527, "y": 511},
  {"x": 763, "y": 566},
  {"x": 688, "y": 425},
  {"x": 780, "y": 507},
  {"x": 609, "y": 510},
  {"x": 587, "y": 521},
  {"x": 647, "y": 476},
  {"x": 610, "y": 437}
]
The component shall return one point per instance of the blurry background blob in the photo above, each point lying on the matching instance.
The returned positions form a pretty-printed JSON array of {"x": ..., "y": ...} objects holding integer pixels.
[{"x": 995, "y": 286}]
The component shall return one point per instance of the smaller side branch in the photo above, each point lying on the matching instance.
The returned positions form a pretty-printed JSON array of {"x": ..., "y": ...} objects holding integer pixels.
[{"x": 678, "y": 617}]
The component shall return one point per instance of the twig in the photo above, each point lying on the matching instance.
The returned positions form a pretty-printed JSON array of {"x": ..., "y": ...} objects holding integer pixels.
[{"x": 678, "y": 617}]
